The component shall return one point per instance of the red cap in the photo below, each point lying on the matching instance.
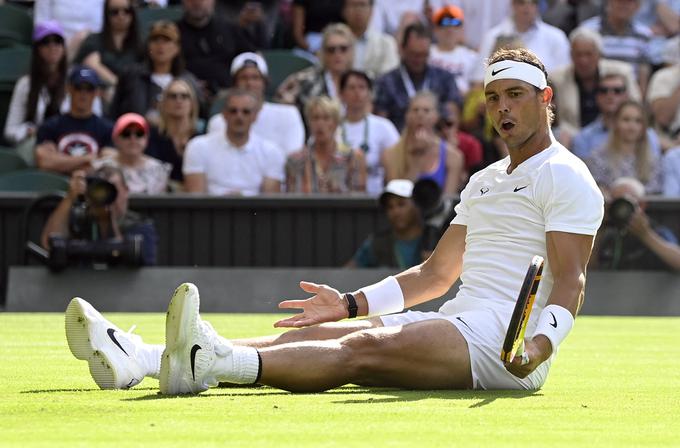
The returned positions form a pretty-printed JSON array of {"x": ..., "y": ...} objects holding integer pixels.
[{"x": 128, "y": 119}]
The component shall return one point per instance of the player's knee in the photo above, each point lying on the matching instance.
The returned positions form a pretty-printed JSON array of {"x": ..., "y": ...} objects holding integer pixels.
[{"x": 367, "y": 354}]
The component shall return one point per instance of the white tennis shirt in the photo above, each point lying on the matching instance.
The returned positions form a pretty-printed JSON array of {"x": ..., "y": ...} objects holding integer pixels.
[{"x": 507, "y": 217}]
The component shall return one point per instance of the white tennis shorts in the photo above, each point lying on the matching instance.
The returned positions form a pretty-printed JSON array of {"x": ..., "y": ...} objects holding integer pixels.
[{"x": 484, "y": 330}]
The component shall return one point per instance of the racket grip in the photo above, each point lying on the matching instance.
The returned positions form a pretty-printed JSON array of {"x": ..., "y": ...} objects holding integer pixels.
[{"x": 520, "y": 349}]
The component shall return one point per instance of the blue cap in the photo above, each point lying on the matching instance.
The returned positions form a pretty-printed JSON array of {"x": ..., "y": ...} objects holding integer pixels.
[{"x": 84, "y": 75}]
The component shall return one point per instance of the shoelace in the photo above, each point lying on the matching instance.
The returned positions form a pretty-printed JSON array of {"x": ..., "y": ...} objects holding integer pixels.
[{"x": 219, "y": 343}]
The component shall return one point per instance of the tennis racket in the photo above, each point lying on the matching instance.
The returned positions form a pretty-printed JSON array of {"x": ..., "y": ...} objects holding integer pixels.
[{"x": 514, "y": 337}]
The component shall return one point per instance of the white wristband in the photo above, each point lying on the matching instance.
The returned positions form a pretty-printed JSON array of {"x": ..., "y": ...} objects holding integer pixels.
[
  {"x": 554, "y": 323},
  {"x": 384, "y": 297}
]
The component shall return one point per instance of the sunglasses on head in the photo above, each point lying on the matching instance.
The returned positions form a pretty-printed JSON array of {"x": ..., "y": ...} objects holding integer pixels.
[
  {"x": 177, "y": 96},
  {"x": 336, "y": 49},
  {"x": 84, "y": 87},
  {"x": 120, "y": 11},
  {"x": 616, "y": 90},
  {"x": 53, "y": 39},
  {"x": 127, "y": 133},
  {"x": 236, "y": 110}
]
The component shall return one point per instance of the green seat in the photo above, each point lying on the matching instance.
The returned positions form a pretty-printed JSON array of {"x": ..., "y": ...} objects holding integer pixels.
[
  {"x": 33, "y": 180},
  {"x": 281, "y": 64},
  {"x": 147, "y": 16},
  {"x": 14, "y": 63},
  {"x": 16, "y": 26},
  {"x": 11, "y": 161}
]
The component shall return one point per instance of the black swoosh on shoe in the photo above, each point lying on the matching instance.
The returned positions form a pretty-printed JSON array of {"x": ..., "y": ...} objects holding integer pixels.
[
  {"x": 110, "y": 332},
  {"x": 194, "y": 349}
]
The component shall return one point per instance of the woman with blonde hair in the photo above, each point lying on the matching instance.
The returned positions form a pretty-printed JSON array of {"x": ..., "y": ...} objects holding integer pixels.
[
  {"x": 421, "y": 153},
  {"x": 178, "y": 122},
  {"x": 324, "y": 165},
  {"x": 627, "y": 151}
]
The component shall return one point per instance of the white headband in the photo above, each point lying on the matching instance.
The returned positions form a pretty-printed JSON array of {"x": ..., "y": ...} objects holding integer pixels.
[{"x": 515, "y": 70}]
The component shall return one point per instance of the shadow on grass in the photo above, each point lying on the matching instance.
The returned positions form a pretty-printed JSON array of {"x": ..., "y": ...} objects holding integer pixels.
[{"x": 51, "y": 391}]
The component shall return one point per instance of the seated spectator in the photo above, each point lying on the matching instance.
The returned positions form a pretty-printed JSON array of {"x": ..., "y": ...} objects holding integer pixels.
[
  {"x": 140, "y": 87},
  {"x": 624, "y": 38},
  {"x": 449, "y": 52},
  {"x": 397, "y": 87},
  {"x": 627, "y": 151},
  {"x": 309, "y": 19},
  {"x": 177, "y": 124},
  {"x": 421, "y": 153},
  {"x": 628, "y": 239},
  {"x": 363, "y": 130},
  {"x": 671, "y": 172},
  {"x": 567, "y": 15},
  {"x": 548, "y": 42},
  {"x": 238, "y": 162},
  {"x": 143, "y": 174},
  {"x": 577, "y": 83},
  {"x": 401, "y": 245},
  {"x": 662, "y": 17},
  {"x": 72, "y": 141},
  {"x": 278, "y": 123},
  {"x": 374, "y": 52},
  {"x": 117, "y": 47},
  {"x": 467, "y": 144},
  {"x": 336, "y": 57},
  {"x": 611, "y": 93},
  {"x": 324, "y": 165},
  {"x": 209, "y": 44},
  {"x": 387, "y": 14},
  {"x": 663, "y": 97},
  {"x": 114, "y": 222}
]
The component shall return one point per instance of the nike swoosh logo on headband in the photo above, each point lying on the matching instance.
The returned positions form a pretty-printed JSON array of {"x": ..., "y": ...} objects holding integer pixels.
[{"x": 495, "y": 72}]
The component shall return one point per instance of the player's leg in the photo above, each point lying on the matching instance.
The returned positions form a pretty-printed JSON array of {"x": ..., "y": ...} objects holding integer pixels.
[{"x": 117, "y": 359}]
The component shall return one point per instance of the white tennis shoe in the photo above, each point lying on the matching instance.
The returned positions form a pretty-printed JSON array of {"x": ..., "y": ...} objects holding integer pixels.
[
  {"x": 192, "y": 346},
  {"x": 114, "y": 356}
]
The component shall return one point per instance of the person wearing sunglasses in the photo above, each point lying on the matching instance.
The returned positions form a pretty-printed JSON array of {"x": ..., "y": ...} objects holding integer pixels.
[
  {"x": 611, "y": 92},
  {"x": 72, "y": 141}
]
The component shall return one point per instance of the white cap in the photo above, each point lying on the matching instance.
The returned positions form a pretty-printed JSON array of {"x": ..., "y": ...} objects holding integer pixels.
[
  {"x": 398, "y": 187},
  {"x": 248, "y": 58}
]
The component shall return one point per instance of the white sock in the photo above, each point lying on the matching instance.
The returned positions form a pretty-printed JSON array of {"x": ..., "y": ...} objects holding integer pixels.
[
  {"x": 150, "y": 358},
  {"x": 241, "y": 366}
]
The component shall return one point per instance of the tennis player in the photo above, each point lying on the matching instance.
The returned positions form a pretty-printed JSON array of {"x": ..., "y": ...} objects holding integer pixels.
[{"x": 540, "y": 200}]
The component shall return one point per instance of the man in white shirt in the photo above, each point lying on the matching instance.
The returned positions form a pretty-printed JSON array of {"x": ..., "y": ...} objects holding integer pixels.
[
  {"x": 548, "y": 42},
  {"x": 540, "y": 200},
  {"x": 363, "y": 130},
  {"x": 278, "y": 123},
  {"x": 237, "y": 162}
]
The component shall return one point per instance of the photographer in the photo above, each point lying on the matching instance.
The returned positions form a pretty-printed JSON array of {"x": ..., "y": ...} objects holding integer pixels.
[
  {"x": 627, "y": 239},
  {"x": 93, "y": 223}
]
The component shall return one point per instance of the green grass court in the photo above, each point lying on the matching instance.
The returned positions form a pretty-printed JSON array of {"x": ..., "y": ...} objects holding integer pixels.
[{"x": 615, "y": 383}]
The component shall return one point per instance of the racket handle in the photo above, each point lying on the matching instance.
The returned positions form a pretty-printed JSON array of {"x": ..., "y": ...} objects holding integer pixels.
[{"x": 520, "y": 349}]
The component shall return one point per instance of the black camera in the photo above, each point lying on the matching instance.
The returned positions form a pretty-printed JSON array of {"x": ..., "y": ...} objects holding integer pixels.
[
  {"x": 620, "y": 211},
  {"x": 76, "y": 252},
  {"x": 437, "y": 211},
  {"x": 98, "y": 194}
]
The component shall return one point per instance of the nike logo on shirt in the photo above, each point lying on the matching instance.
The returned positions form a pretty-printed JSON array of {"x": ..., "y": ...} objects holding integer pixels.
[
  {"x": 110, "y": 332},
  {"x": 194, "y": 349},
  {"x": 554, "y": 322},
  {"x": 519, "y": 188},
  {"x": 495, "y": 72},
  {"x": 463, "y": 322}
]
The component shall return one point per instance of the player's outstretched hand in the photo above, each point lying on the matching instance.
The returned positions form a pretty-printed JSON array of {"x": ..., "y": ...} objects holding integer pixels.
[
  {"x": 536, "y": 351},
  {"x": 326, "y": 305}
]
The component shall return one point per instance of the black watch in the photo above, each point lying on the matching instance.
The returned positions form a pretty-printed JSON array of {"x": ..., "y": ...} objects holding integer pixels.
[{"x": 352, "y": 307}]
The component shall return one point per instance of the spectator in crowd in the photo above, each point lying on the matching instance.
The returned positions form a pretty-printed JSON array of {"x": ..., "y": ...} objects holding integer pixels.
[
  {"x": 548, "y": 42},
  {"x": 421, "y": 153},
  {"x": 178, "y": 123},
  {"x": 671, "y": 172},
  {"x": 209, "y": 44},
  {"x": 143, "y": 174},
  {"x": 259, "y": 21},
  {"x": 42, "y": 93},
  {"x": 140, "y": 87},
  {"x": 401, "y": 244},
  {"x": 568, "y": 15},
  {"x": 72, "y": 141},
  {"x": 361, "y": 129},
  {"x": 481, "y": 15},
  {"x": 449, "y": 51},
  {"x": 325, "y": 165},
  {"x": 628, "y": 239},
  {"x": 387, "y": 14},
  {"x": 78, "y": 19},
  {"x": 374, "y": 52},
  {"x": 624, "y": 38},
  {"x": 662, "y": 17},
  {"x": 612, "y": 91},
  {"x": 626, "y": 152},
  {"x": 310, "y": 17},
  {"x": 663, "y": 97},
  {"x": 337, "y": 53},
  {"x": 114, "y": 222},
  {"x": 467, "y": 144},
  {"x": 278, "y": 123},
  {"x": 397, "y": 87},
  {"x": 576, "y": 84},
  {"x": 237, "y": 162},
  {"x": 117, "y": 47}
]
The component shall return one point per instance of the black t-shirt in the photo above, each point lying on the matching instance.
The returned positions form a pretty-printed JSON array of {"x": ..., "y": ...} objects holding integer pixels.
[
  {"x": 162, "y": 148},
  {"x": 319, "y": 13},
  {"x": 76, "y": 136},
  {"x": 116, "y": 61}
]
